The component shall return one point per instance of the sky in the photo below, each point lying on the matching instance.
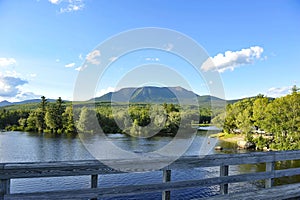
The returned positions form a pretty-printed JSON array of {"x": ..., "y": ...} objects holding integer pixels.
[{"x": 45, "y": 45}]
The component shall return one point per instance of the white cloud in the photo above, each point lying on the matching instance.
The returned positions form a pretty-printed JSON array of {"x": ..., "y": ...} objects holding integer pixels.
[
  {"x": 152, "y": 59},
  {"x": 55, "y": 1},
  {"x": 4, "y": 62},
  {"x": 80, "y": 57},
  {"x": 57, "y": 60},
  {"x": 12, "y": 74},
  {"x": 10, "y": 86},
  {"x": 104, "y": 91},
  {"x": 278, "y": 91},
  {"x": 25, "y": 96},
  {"x": 78, "y": 68},
  {"x": 232, "y": 59},
  {"x": 70, "y": 65},
  {"x": 92, "y": 57},
  {"x": 68, "y": 5},
  {"x": 81, "y": 68},
  {"x": 71, "y": 8}
]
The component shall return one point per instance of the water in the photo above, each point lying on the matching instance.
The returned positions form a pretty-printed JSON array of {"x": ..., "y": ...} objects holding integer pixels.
[{"x": 33, "y": 147}]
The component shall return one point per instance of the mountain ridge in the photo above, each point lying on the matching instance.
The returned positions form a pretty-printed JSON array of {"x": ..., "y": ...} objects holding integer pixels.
[
  {"x": 154, "y": 94},
  {"x": 7, "y": 103},
  {"x": 146, "y": 94}
]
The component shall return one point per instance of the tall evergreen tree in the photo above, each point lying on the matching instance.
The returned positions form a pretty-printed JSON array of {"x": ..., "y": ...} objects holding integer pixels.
[
  {"x": 68, "y": 120},
  {"x": 40, "y": 114},
  {"x": 59, "y": 110}
]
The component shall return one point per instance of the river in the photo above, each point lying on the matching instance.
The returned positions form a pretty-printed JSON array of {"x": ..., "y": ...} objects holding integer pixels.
[{"x": 34, "y": 147}]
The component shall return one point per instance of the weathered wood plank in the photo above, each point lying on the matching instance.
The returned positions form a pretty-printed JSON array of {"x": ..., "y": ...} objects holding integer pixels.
[
  {"x": 147, "y": 188},
  {"x": 278, "y": 192},
  {"x": 4, "y": 187},
  {"x": 235, "y": 159},
  {"x": 76, "y": 168},
  {"x": 25, "y": 170},
  {"x": 55, "y": 170},
  {"x": 94, "y": 167}
]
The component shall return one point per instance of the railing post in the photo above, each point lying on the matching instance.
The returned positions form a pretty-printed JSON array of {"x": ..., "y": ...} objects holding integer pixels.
[
  {"x": 4, "y": 187},
  {"x": 94, "y": 181},
  {"x": 166, "y": 195},
  {"x": 224, "y": 172},
  {"x": 270, "y": 167}
]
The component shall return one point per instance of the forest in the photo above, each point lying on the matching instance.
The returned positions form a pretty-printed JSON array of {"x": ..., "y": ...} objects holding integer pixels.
[
  {"x": 267, "y": 122},
  {"x": 64, "y": 118}
]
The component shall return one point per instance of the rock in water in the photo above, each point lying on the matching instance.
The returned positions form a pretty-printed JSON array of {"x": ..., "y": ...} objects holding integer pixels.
[
  {"x": 245, "y": 145},
  {"x": 218, "y": 148}
]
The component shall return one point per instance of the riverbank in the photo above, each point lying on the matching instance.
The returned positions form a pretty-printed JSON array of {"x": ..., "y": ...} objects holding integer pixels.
[{"x": 232, "y": 138}]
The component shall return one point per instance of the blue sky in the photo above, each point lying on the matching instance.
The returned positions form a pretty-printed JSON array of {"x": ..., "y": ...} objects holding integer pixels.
[{"x": 254, "y": 45}]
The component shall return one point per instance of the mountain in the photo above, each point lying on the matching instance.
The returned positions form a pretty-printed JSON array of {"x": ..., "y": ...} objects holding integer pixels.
[
  {"x": 7, "y": 103},
  {"x": 147, "y": 94},
  {"x": 153, "y": 94},
  {"x": 212, "y": 101}
]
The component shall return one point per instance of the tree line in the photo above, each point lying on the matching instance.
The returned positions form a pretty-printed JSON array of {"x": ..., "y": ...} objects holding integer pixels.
[
  {"x": 271, "y": 123},
  {"x": 57, "y": 118}
]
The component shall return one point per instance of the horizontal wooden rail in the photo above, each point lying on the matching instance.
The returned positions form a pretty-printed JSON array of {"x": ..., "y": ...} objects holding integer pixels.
[{"x": 93, "y": 168}]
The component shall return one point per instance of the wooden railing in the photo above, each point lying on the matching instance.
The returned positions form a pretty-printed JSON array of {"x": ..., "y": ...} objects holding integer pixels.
[{"x": 94, "y": 168}]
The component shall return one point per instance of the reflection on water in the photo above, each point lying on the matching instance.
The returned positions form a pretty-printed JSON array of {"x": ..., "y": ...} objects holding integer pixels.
[
  {"x": 22, "y": 147},
  {"x": 260, "y": 167}
]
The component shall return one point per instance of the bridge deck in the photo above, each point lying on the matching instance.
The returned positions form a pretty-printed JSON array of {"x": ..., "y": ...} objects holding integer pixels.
[{"x": 94, "y": 168}]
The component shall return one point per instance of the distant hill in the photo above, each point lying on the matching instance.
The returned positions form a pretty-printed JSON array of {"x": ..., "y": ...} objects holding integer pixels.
[
  {"x": 147, "y": 94},
  {"x": 211, "y": 101},
  {"x": 157, "y": 95},
  {"x": 7, "y": 103}
]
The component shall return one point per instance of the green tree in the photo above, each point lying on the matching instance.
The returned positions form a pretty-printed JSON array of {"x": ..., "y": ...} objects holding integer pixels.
[
  {"x": 87, "y": 121},
  {"x": 68, "y": 120},
  {"x": 230, "y": 119},
  {"x": 51, "y": 118},
  {"x": 295, "y": 89},
  {"x": 40, "y": 114},
  {"x": 31, "y": 122},
  {"x": 59, "y": 110},
  {"x": 22, "y": 123},
  {"x": 260, "y": 111},
  {"x": 54, "y": 116},
  {"x": 219, "y": 120},
  {"x": 283, "y": 121}
]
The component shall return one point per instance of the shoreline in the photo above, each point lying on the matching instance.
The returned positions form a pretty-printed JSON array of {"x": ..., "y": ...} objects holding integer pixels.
[{"x": 232, "y": 138}]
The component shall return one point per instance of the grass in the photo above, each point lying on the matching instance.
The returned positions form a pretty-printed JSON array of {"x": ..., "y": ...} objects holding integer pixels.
[
  {"x": 228, "y": 137},
  {"x": 216, "y": 135},
  {"x": 201, "y": 125}
]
